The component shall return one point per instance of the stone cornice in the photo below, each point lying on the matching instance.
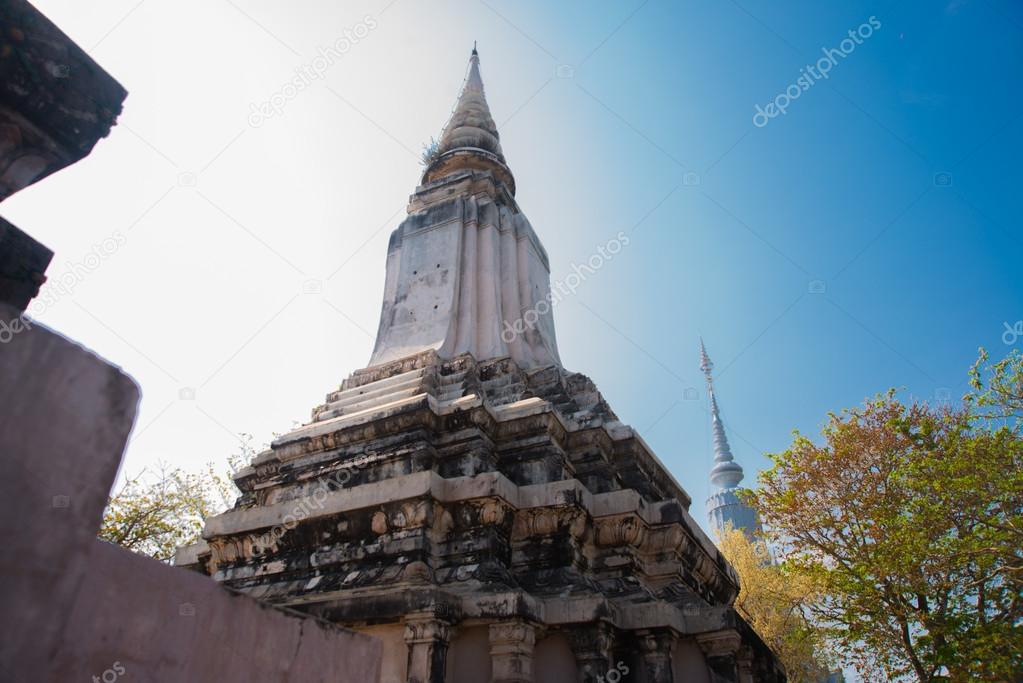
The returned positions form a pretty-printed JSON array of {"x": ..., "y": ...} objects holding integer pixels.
[
  {"x": 498, "y": 422},
  {"x": 618, "y": 517}
]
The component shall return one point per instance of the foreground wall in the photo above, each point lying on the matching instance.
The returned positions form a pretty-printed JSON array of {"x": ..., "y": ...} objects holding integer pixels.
[{"x": 76, "y": 608}]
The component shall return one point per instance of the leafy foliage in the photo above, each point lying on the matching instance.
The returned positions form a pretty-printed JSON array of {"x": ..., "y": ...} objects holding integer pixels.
[
  {"x": 154, "y": 513},
  {"x": 998, "y": 388},
  {"x": 774, "y": 601},
  {"x": 909, "y": 519}
]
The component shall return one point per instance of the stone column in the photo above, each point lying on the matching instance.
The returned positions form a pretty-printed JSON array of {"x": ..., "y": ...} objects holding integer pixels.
[
  {"x": 655, "y": 650},
  {"x": 592, "y": 646},
  {"x": 744, "y": 664},
  {"x": 720, "y": 649},
  {"x": 427, "y": 639},
  {"x": 511, "y": 651}
]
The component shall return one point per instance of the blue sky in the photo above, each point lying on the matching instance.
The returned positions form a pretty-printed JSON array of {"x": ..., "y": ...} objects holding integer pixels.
[
  {"x": 841, "y": 189},
  {"x": 604, "y": 108}
]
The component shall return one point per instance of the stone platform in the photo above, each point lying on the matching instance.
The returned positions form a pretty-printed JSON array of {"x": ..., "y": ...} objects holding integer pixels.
[{"x": 429, "y": 497}]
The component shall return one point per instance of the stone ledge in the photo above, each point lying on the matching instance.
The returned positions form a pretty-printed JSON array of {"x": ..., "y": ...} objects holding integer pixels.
[{"x": 569, "y": 492}]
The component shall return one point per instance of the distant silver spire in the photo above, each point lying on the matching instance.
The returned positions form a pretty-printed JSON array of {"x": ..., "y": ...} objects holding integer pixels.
[
  {"x": 727, "y": 473},
  {"x": 724, "y": 507}
]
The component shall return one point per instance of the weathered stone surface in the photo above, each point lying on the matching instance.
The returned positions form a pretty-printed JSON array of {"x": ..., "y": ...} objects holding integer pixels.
[
  {"x": 466, "y": 273},
  {"x": 23, "y": 262},
  {"x": 468, "y": 489},
  {"x": 460, "y": 500},
  {"x": 55, "y": 101}
]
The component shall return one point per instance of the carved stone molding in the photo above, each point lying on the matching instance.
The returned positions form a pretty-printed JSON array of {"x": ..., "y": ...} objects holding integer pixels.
[
  {"x": 511, "y": 651},
  {"x": 620, "y": 530},
  {"x": 427, "y": 639},
  {"x": 655, "y": 650},
  {"x": 720, "y": 643},
  {"x": 669, "y": 538},
  {"x": 426, "y": 628},
  {"x": 548, "y": 521},
  {"x": 744, "y": 665},
  {"x": 720, "y": 649},
  {"x": 592, "y": 645},
  {"x": 409, "y": 515},
  {"x": 417, "y": 572},
  {"x": 492, "y": 512}
]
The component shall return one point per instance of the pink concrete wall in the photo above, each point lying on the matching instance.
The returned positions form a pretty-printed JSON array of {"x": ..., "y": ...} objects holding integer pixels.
[
  {"x": 395, "y": 651},
  {"x": 469, "y": 656},
  {"x": 75, "y": 608},
  {"x": 167, "y": 624},
  {"x": 553, "y": 661},
  {"x": 688, "y": 664}
]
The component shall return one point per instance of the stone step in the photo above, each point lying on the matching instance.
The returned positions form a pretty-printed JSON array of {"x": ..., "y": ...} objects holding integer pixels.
[
  {"x": 377, "y": 386},
  {"x": 446, "y": 393},
  {"x": 453, "y": 378},
  {"x": 370, "y": 402},
  {"x": 346, "y": 399}
]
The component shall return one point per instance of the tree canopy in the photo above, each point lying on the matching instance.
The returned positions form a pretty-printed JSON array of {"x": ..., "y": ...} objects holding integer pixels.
[
  {"x": 909, "y": 518},
  {"x": 154, "y": 513},
  {"x": 775, "y": 601}
]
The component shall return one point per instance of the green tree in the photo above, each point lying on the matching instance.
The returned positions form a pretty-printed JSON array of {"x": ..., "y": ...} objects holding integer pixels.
[
  {"x": 155, "y": 513},
  {"x": 909, "y": 518}
]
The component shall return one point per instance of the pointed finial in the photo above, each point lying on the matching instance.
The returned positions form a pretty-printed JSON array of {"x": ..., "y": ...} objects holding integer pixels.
[
  {"x": 472, "y": 132},
  {"x": 726, "y": 472},
  {"x": 705, "y": 363}
]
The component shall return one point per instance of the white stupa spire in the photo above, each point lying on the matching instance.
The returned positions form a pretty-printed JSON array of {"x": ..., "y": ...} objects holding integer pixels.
[
  {"x": 466, "y": 272},
  {"x": 470, "y": 139}
]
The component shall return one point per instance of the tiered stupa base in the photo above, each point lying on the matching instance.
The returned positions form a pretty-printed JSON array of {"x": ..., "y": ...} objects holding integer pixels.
[{"x": 488, "y": 524}]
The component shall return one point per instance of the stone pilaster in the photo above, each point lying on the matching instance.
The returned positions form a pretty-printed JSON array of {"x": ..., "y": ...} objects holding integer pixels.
[
  {"x": 744, "y": 664},
  {"x": 511, "y": 651},
  {"x": 655, "y": 651},
  {"x": 427, "y": 639},
  {"x": 592, "y": 645},
  {"x": 721, "y": 649}
]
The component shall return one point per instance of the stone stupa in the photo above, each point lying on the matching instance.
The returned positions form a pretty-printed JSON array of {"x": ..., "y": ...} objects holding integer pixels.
[{"x": 467, "y": 499}]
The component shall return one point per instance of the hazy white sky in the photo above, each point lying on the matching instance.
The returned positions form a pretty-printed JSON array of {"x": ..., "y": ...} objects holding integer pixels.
[{"x": 247, "y": 278}]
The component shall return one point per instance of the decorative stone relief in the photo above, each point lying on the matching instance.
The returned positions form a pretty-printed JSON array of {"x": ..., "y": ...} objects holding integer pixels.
[
  {"x": 620, "y": 530},
  {"x": 511, "y": 651}
]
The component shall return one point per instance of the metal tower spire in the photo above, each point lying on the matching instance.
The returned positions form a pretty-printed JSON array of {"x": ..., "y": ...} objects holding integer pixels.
[
  {"x": 726, "y": 473},
  {"x": 724, "y": 508}
]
